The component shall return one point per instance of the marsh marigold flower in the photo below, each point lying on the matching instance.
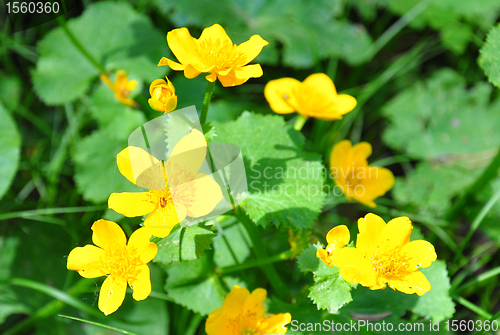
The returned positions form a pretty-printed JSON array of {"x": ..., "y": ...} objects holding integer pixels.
[
  {"x": 215, "y": 53},
  {"x": 242, "y": 313},
  {"x": 123, "y": 263},
  {"x": 163, "y": 98},
  {"x": 121, "y": 87},
  {"x": 314, "y": 97},
  {"x": 357, "y": 179},
  {"x": 383, "y": 255},
  {"x": 187, "y": 193}
]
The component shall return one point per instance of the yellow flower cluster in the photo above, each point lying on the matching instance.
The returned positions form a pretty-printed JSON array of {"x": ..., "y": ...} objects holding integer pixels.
[{"x": 383, "y": 255}]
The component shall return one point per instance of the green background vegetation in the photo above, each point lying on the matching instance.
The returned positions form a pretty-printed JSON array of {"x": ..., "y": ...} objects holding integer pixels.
[{"x": 425, "y": 74}]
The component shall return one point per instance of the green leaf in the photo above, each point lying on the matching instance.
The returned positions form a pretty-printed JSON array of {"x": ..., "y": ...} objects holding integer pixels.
[
  {"x": 184, "y": 244},
  {"x": 114, "y": 118},
  {"x": 490, "y": 56},
  {"x": 10, "y": 91},
  {"x": 307, "y": 260},
  {"x": 330, "y": 291},
  {"x": 430, "y": 189},
  {"x": 442, "y": 120},
  {"x": 386, "y": 301},
  {"x": 239, "y": 241},
  {"x": 285, "y": 184},
  {"x": 437, "y": 303},
  {"x": 10, "y": 149},
  {"x": 96, "y": 173},
  {"x": 195, "y": 286},
  {"x": 124, "y": 40}
]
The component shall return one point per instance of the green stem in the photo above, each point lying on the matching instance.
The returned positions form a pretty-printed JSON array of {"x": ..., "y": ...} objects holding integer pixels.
[
  {"x": 476, "y": 309},
  {"x": 278, "y": 285},
  {"x": 257, "y": 263},
  {"x": 482, "y": 277},
  {"x": 98, "y": 324},
  {"x": 206, "y": 102},
  {"x": 490, "y": 173},
  {"x": 78, "y": 45},
  {"x": 475, "y": 224},
  {"x": 299, "y": 122},
  {"x": 494, "y": 317}
]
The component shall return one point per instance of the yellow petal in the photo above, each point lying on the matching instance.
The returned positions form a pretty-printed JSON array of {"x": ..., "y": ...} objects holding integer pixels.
[
  {"x": 413, "y": 282},
  {"x": 141, "y": 284},
  {"x": 188, "y": 154},
  {"x": 191, "y": 72},
  {"x": 238, "y": 76},
  {"x": 207, "y": 194},
  {"x": 275, "y": 323},
  {"x": 112, "y": 294},
  {"x": 253, "y": 308},
  {"x": 215, "y": 32},
  {"x": 278, "y": 91},
  {"x": 323, "y": 255},
  {"x": 171, "y": 104},
  {"x": 252, "y": 48},
  {"x": 226, "y": 320},
  {"x": 133, "y": 161},
  {"x": 360, "y": 153},
  {"x": 121, "y": 78},
  {"x": 320, "y": 82},
  {"x": 131, "y": 85},
  {"x": 140, "y": 244},
  {"x": 106, "y": 80},
  {"x": 162, "y": 220},
  {"x": 345, "y": 103},
  {"x": 341, "y": 160},
  {"x": 173, "y": 65},
  {"x": 355, "y": 267},
  {"x": 156, "y": 82},
  {"x": 418, "y": 254},
  {"x": 108, "y": 234},
  {"x": 132, "y": 204},
  {"x": 370, "y": 227},
  {"x": 338, "y": 236},
  {"x": 379, "y": 182},
  {"x": 212, "y": 77},
  {"x": 396, "y": 233},
  {"x": 183, "y": 46},
  {"x": 156, "y": 105},
  {"x": 87, "y": 261}
]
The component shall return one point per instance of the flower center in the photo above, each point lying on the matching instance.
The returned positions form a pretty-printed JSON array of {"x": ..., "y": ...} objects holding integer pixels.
[
  {"x": 120, "y": 262},
  {"x": 220, "y": 54},
  {"x": 387, "y": 263},
  {"x": 310, "y": 99},
  {"x": 123, "y": 91},
  {"x": 161, "y": 94},
  {"x": 248, "y": 332}
]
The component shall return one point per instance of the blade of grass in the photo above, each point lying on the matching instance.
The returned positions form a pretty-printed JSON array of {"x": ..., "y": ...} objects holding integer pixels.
[
  {"x": 56, "y": 294},
  {"x": 49, "y": 211},
  {"x": 474, "y": 226},
  {"x": 98, "y": 324},
  {"x": 476, "y": 309}
]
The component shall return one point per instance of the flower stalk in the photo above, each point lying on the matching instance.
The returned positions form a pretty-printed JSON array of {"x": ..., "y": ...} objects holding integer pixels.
[{"x": 206, "y": 102}]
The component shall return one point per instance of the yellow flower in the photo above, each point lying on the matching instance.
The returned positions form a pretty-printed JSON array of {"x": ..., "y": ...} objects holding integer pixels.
[
  {"x": 163, "y": 98},
  {"x": 123, "y": 263},
  {"x": 214, "y": 52},
  {"x": 314, "y": 97},
  {"x": 337, "y": 238},
  {"x": 187, "y": 193},
  {"x": 357, "y": 179},
  {"x": 384, "y": 255},
  {"x": 242, "y": 313},
  {"x": 121, "y": 87}
]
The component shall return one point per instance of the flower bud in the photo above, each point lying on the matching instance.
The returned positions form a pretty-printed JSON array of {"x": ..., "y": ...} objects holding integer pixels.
[{"x": 163, "y": 98}]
